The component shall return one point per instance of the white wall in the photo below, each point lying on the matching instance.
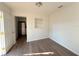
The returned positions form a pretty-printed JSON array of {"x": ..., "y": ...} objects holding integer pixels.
[
  {"x": 8, "y": 26},
  {"x": 9, "y": 30},
  {"x": 32, "y": 32},
  {"x": 64, "y": 27},
  {"x": 36, "y": 33}
]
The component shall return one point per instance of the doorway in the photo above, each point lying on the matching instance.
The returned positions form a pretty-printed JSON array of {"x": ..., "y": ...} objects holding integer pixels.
[{"x": 21, "y": 27}]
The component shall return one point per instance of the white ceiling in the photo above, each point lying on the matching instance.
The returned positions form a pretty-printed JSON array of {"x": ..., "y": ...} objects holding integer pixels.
[{"x": 30, "y": 7}]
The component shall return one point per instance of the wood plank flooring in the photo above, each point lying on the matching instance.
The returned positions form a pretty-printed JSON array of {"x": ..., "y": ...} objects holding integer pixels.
[{"x": 43, "y": 47}]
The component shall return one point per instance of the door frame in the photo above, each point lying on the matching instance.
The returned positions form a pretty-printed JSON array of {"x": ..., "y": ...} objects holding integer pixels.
[{"x": 16, "y": 21}]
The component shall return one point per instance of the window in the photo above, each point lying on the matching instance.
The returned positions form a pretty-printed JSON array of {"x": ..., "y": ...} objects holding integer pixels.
[{"x": 2, "y": 37}]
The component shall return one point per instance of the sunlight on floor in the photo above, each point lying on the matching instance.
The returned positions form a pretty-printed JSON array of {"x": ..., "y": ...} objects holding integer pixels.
[{"x": 43, "y": 53}]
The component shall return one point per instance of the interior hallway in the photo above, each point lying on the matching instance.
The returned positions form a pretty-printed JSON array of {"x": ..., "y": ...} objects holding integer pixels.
[{"x": 44, "y": 47}]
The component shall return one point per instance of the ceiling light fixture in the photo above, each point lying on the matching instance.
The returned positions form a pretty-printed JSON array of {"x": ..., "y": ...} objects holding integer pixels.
[
  {"x": 60, "y": 6},
  {"x": 39, "y": 4}
]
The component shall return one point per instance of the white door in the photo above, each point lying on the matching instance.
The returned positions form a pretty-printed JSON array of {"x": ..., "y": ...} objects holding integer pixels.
[
  {"x": 13, "y": 30},
  {"x": 23, "y": 28}
]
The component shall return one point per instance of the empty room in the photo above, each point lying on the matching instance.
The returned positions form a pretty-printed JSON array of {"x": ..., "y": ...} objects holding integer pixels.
[{"x": 39, "y": 28}]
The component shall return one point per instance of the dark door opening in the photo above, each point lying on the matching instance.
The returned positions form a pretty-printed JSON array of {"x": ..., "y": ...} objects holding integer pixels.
[{"x": 21, "y": 28}]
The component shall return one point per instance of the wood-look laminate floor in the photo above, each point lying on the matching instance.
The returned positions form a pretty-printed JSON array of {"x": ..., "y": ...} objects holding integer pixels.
[{"x": 43, "y": 47}]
